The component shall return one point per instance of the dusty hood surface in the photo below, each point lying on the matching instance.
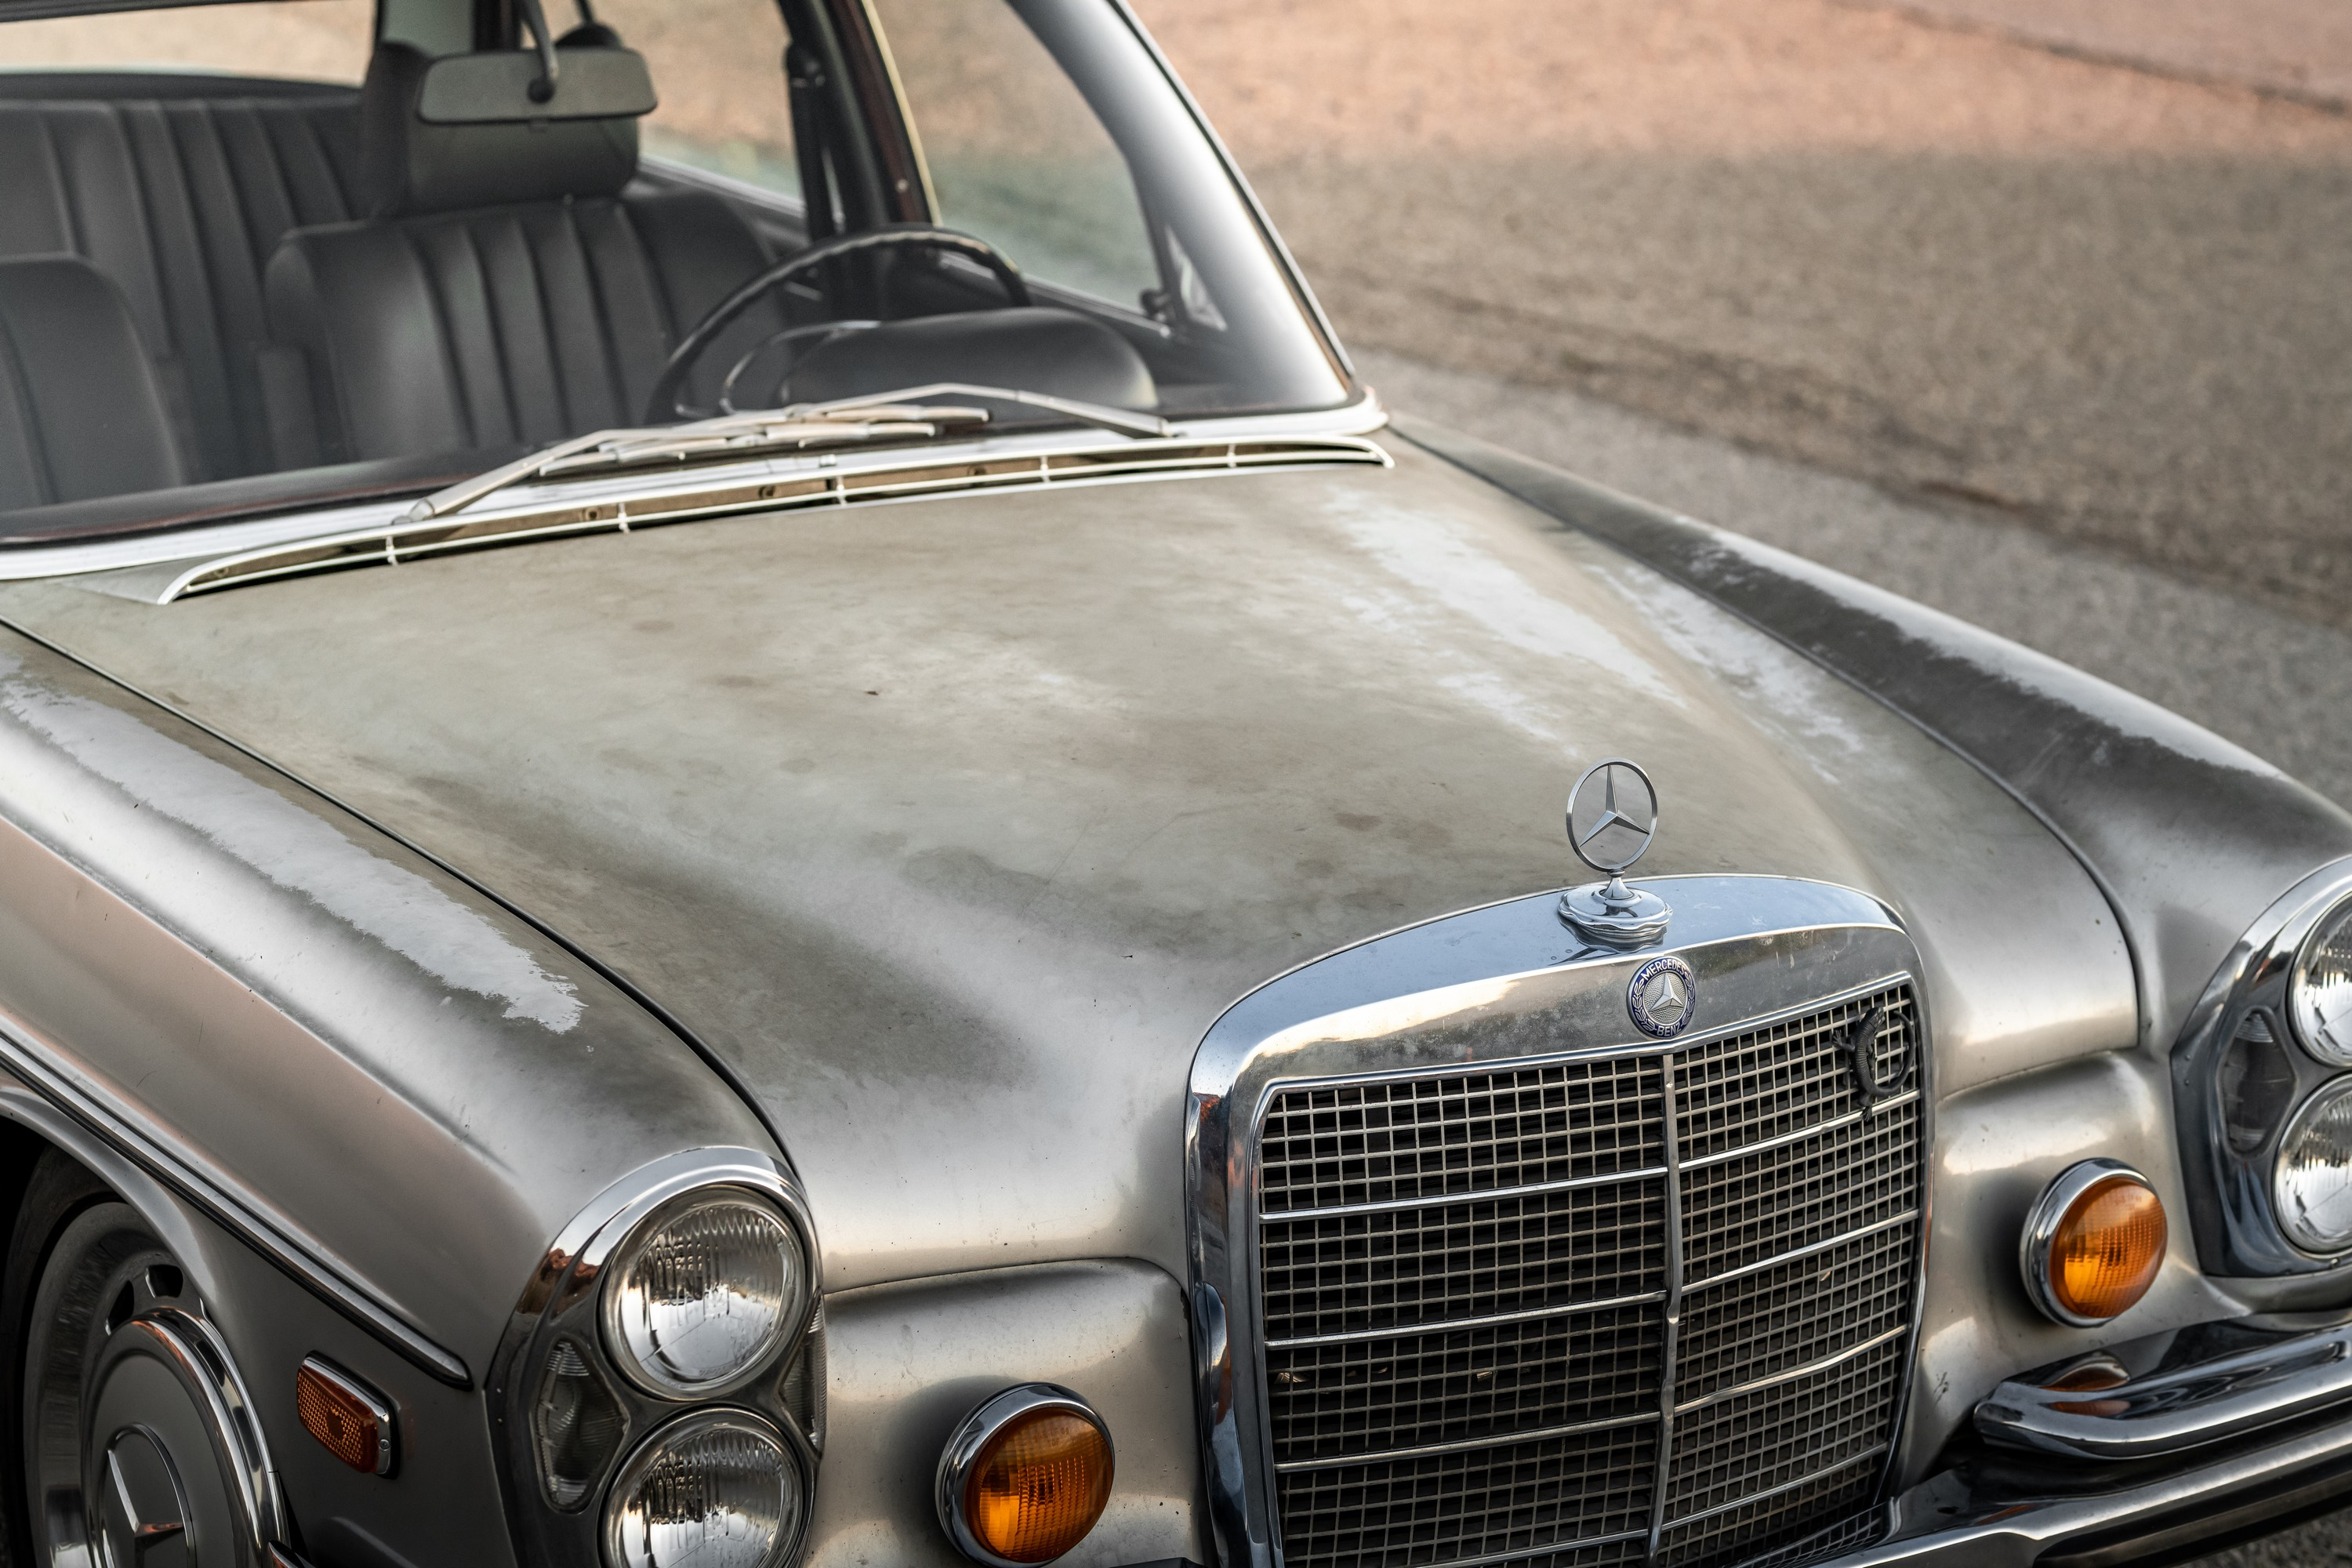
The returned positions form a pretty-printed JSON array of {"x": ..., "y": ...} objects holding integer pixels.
[{"x": 955, "y": 824}]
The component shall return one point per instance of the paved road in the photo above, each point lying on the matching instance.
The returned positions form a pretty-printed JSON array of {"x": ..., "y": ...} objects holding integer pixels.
[{"x": 2300, "y": 49}]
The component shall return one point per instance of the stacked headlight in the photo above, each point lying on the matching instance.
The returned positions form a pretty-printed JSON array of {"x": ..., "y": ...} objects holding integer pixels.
[
  {"x": 2320, "y": 996},
  {"x": 657, "y": 1411},
  {"x": 2311, "y": 1179},
  {"x": 715, "y": 1489},
  {"x": 704, "y": 1294},
  {"x": 2312, "y": 1183}
]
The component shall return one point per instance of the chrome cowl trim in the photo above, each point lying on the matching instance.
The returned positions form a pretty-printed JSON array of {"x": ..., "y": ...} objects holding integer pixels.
[
  {"x": 172, "y": 564},
  {"x": 1508, "y": 989},
  {"x": 2169, "y": 1392}
]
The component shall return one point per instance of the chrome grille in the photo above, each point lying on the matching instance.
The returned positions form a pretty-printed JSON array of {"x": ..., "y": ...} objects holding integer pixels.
[{"x": 1485, "y": 1299}]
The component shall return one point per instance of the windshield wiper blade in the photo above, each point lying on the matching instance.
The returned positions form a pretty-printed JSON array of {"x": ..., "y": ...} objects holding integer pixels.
[
  {"x": 870, "y": 416},
  {"x": 862, "y": 419},
  {"x": 1126, "y": 421}
]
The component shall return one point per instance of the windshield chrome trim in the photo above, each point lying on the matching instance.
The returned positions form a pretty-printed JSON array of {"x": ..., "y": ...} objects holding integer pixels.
[{"x": 155, "y": 569}]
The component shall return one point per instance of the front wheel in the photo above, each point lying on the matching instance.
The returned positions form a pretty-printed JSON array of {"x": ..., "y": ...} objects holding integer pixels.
[{"x": 140, "y": 1446}]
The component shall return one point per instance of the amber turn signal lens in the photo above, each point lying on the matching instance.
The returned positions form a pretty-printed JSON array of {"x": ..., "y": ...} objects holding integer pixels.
[
  {"x": 2093, "y": 1243},
  {"x": 2108, "y": 1249},
  {"x": 349, "y": 1420},
  {"x": 1038, "y": 1486}
]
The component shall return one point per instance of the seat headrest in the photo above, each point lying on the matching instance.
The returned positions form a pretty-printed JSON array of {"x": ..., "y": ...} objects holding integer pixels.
[{"x": 463, "y": 131}]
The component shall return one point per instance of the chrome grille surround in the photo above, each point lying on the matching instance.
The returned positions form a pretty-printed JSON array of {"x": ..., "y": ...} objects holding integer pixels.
[{"x": 1485, "y": 1276}]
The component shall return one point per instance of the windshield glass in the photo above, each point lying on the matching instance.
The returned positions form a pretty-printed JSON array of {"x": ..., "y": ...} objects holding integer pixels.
[{"x": 262, "y": 255}]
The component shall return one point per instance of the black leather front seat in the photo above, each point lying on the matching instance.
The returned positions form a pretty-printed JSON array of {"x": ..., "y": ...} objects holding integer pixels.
[
  {"x": 505, "y": 289},
  {"x": 81, "y": 415}
]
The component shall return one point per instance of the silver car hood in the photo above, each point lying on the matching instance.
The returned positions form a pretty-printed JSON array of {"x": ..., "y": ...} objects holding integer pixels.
[{"x": 954, "y": 823}]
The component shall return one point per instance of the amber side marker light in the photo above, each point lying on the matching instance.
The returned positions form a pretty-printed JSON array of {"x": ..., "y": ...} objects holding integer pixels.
[
  {"x": 2092, "y": 1243},
  {"x": 1024, "y": 1477},
  {"x": 349, "y": 1419}
]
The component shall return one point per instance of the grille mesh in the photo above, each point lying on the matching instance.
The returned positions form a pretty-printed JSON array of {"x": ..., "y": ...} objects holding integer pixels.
[{"x": 1460, "y": 1369}]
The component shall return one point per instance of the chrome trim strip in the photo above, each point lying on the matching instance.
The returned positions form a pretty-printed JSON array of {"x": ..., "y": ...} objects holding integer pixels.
[
  {"x": 227, "y": 1202},
  {"x": 1487, "y": 1194},
  {"x": 1873, "y": 1452},
  {"x": 1835, "y": 1124},
  {"x": 1671, "y": 1138},
  {"x": 1790, "y": 1374},
  {"x": 154, "y": 561},
  {"x": 1450, "y": 1325},
  {"x": 1465, "y": 1445},
  {"x": 2175, "y": 1391},
  {"x": 1808, "y": 1250}
]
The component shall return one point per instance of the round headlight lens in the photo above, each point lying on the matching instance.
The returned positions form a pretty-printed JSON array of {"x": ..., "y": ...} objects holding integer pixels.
[
  {"x": 2320, "y": 994},
  {"x": 705, "y": 1292},
  {"x": 716, "y": 1490},
  {"x": 2312, "y": 1183}
]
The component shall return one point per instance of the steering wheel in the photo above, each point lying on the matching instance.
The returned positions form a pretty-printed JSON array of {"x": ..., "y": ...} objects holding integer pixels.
[{"x": 663, "y": 403}]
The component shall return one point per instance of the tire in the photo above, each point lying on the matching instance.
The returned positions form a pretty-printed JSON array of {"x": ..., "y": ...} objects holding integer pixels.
[
  {"x": 56, "y": 1190},
  {"x": 117, "y": 1432}
]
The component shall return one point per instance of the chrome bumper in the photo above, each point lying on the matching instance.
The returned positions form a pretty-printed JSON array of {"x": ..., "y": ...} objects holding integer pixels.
[
  {"x": 2150, "y": 1450},
  {"x": 2170, "y": 1393}
]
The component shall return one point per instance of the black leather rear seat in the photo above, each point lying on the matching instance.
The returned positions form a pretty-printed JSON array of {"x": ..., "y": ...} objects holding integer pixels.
[
  {"x": 80, "y": 414},
  {"x": 178, "y": 190}
]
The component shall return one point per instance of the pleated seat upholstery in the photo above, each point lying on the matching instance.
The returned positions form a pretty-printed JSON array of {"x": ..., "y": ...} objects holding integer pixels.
[
  {"x": 508, "y": 285},
  {"x": 179, "y": 202},
  {"x": 493, "y": 326}
]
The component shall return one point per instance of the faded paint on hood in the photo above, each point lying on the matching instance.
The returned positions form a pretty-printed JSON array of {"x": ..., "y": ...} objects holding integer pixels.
[{"x": 955, "y": 824}]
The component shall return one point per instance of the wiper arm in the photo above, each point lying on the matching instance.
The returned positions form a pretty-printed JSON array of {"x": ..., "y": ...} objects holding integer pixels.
[
  {"x": 853, "y": 420},
  {"x": 1124, "y": 420},
  {"x": 871, "y": 416}
]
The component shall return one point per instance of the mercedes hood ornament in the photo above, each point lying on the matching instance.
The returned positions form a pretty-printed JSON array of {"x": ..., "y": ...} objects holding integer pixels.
[{"x": 1613, "y": 815}]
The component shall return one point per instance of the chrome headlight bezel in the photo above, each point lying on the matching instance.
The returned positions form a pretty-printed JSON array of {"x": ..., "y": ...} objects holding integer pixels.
[
  {"x": 562, "y": 1310},
  {"x": 2243, "y": 1073}
]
